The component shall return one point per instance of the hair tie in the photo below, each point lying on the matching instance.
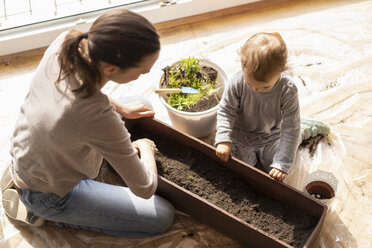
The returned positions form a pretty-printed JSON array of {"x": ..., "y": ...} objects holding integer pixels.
[
  {"x": 277, "y": 34},
  {"x": 85, "y": 35}
]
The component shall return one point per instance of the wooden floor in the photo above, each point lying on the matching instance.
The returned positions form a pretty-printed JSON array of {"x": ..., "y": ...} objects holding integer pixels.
[{"x": 330, "y": 46}]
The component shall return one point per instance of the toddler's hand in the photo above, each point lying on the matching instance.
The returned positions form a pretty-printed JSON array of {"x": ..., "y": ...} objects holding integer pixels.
[
  {"x": 277, "y": 174},
  {"x": 223, "y": 151}
]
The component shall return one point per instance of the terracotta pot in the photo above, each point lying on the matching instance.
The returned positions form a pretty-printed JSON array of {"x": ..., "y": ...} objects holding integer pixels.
[
  {"x": 198, "y": 124},
  {"x": 323, "y": 189},
  {"x": 321, "y": 185},
  {"x": 217, "y": 218}
]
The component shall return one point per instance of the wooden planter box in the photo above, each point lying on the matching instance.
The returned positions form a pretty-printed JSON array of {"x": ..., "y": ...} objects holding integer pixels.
[{"x": 215, "y": 217}]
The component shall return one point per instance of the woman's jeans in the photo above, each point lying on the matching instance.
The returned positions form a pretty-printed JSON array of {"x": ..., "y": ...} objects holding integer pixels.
[
  {"x": 97, "y": 206},
  {"x": 111, "y": 209}
]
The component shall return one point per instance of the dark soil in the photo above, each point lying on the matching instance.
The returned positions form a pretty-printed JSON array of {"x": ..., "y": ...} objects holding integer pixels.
[
  {"x": 312, "y": 143},
  {"x": 211, "y": 72},
  {"x": 204, "y": 104},
  {"x": 319, "y": 196},
  {"x": 199, "y": 174}
]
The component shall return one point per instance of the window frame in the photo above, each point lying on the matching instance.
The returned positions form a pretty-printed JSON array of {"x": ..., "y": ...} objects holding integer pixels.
[{"x": 42, "y": 34}]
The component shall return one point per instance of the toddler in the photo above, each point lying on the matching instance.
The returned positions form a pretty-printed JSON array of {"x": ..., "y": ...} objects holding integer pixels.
[{"x": 259, "y": 115}]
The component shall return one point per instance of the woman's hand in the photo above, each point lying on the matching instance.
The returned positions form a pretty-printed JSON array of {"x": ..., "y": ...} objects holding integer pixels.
[
  {"x": 277, "y": 174},
  {"x": 223, "y": 151},
  {"x": 135, "y": 110},
  {"x": 145, "y": 145},
  {"x": 146, "y": 151}
]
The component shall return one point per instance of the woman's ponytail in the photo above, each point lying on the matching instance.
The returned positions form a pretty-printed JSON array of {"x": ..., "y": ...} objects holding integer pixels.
[{"x": 73, "y": 64}]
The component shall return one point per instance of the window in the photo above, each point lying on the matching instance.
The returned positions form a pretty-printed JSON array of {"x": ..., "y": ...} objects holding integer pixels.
[
  {"x": 17, "y": 13},
  {"x": 40, "y": 21}
]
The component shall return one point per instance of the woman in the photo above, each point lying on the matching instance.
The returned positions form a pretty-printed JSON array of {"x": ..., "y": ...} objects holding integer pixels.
[{"x": 67, "y": 126}]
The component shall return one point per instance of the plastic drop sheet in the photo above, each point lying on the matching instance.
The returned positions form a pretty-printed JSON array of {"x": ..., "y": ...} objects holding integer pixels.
[{"x": 330, "y": 53}]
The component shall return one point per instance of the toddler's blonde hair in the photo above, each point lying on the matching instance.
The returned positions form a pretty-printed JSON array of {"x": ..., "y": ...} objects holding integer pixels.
[{"x": 264, "y": 55}]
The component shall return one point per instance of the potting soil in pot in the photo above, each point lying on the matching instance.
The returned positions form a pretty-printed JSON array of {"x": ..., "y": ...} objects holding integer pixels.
[
  {"x": 206, "y": 76},
  {"x": 196, "y": 172}
]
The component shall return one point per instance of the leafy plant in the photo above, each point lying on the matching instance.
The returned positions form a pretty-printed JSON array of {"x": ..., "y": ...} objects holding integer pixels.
[{"x": 189, "y": 73}]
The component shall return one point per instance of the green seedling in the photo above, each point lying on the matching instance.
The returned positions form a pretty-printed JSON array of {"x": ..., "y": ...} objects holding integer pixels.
[{"x": 188, "y": 73}]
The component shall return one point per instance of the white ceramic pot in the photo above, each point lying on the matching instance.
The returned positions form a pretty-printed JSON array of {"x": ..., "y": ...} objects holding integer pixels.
[{"x": 197, "y": 124}]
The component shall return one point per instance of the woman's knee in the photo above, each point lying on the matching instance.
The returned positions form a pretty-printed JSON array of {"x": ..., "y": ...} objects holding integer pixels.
[{"x": 164, "y": 215}]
